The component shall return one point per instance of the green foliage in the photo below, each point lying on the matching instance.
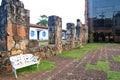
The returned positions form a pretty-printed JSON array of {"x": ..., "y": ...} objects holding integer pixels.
[
  {"x": 71, "y": 54},
  {"x": 83, "y": 49},
  {"x": 116, "y": 59},
  {"x": 90, "y": 38},
  {"x": 44, "y": 65},
  {"x": 113, "y": 75},
  {"x": 101, "y": 66},
  {"x": 42, "y": 41},
  {"x": 110, "y": 44},
  {"x": 93, "y": 46},
  {"x": 43, "y": 21},
  {"x": 90, "y": 46}
]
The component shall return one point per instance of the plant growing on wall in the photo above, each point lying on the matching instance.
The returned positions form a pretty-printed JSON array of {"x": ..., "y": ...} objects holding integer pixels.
[{"x": 43, "y": 21}]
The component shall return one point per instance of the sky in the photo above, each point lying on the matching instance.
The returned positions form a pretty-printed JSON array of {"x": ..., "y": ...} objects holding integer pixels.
[{"x": 68, "y": 10}]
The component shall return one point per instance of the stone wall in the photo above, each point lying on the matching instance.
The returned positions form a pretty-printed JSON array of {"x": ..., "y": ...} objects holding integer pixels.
[
  {"x": 14, "y": 21},
  {"x": 55, "y": 32},
  {"x": 14, "y": 33},
  {"x": 71, "y": 34},
  {"x": 78, "y": 31}
]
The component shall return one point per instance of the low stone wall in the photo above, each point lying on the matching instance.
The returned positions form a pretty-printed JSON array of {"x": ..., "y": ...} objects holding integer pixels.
[
  {"x": 43, "y": 51},
  {"x": 4, "y": 60}
]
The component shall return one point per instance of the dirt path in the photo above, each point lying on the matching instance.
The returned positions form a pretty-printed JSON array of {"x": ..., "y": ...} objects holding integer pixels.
[{"x": 74, "y": 69}]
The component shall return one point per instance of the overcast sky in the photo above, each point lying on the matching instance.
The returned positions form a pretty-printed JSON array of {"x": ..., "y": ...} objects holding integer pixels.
[{"x": 68, "y": 10}]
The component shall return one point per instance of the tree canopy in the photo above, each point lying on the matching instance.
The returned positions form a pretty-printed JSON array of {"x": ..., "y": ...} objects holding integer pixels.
[{"x": 43, "y": 21}]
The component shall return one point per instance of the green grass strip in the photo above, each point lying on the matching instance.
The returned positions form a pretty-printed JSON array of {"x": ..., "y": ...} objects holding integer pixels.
[
  {"x": 44, "y": 65},
  {"x": 100, "y": 66},
  {"x": 116, "y": 59},
  {"x": 88, "y": 47},
  {"x": 71, "y": 54},
  {"x": 113, "y": 75},
  {"x": 93, "y": 46},
  {"x": 104, "y": 66}
]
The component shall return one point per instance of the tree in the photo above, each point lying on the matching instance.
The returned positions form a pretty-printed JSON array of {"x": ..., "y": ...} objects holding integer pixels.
[{"x": 43, "y": 21}]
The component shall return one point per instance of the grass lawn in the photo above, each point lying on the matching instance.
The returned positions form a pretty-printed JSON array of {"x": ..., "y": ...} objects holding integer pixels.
[
  {"x": 116, "y": 59},
  {"x": 113, "y": 75},
  {"x": 104, "y": 66},
  {"x": 81, "y": 53},
  {"x": 101, "y": 66},
  {"x": 93, "y": 46},
  {"x": 42, "y": 42},
  {"x": 71, "y": 54},
  {"x": 83, "y": 49},
  {"x": 44, "y": 65}
]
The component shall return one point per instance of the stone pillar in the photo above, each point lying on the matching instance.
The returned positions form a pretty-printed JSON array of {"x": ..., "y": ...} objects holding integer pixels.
[
  {"x": 55, "y": 32},
  {"x": 78, "y": 31},
  {"x": 85, "y": 34},
  {"x": 81, "y": 33},
  {"x": 14, "y": 21},
  {"x": 71, "y": 34}
]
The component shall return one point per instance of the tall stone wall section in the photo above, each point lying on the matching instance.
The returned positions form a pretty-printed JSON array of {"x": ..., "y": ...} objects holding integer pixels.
[
  {"x": 71, "y": 34},
  {"x": 14, "y": 21},
  {"x": 78, "y": 38},
  {"x": 55, "y": 32}
]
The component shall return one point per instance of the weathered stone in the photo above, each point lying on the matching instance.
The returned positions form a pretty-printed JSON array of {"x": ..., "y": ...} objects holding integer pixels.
[
  {"x": 10, "y": 29},
  {"x": 81, "y": 33},
  {"x": 67, "y": 46},
  {"x": 23, "y": 44},
  {"x": 10, "y": 43},
  {"x": 21, "y": 31},
  {"x": 33, "y": 43},
  {"x": 16, "y": 52},
  {"x": 4, "y": 60},
  {"x": 85, "y": 34},
  {"x": 2, "y": 45},
  {"x": 33, "y": 50},
  {"x": 78, "y": 31},
  {"x": 17, "y": 46},
  {"x": 41, "y": 55},
  {"x": 14, "y": 20},
  {"x": 71, "y": 34},
  {"x": 14, "y": 33},
  {"x": 55, "y": 32}
]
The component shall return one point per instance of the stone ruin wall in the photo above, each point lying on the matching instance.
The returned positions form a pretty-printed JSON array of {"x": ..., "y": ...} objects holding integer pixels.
[
  {"x": 55, "y": 32},
  {"x": 14, "y": 21},
  {"x": 14, "y": 32},
  {"x": 71, "y": 34}
]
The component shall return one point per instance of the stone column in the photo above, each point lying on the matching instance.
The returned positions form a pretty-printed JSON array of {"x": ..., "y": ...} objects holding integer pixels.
[
  {"x": 14, "y": 22},
  {"x": 85, "y": 34},
  {"x": 78, "y": 31},
  {"x": 71, "y": 34},
  {"x": 81, "y": 33},
  {"x": 55, "y": 32}
]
